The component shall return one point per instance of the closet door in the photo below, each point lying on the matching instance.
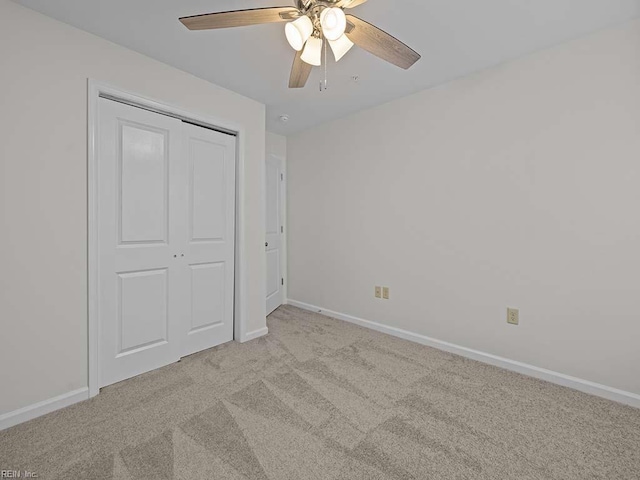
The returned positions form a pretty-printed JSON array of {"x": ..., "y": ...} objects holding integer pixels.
[
  {"x": 210, "y": 246},
  {"x": 141, "y": 202}
]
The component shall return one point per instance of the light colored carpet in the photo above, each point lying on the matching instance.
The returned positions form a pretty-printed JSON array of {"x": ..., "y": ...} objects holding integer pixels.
[{"x": 323, "y": 399}]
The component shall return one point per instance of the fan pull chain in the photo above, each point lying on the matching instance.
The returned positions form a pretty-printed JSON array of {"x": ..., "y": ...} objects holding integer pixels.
[{"x": 324, "y": 88}]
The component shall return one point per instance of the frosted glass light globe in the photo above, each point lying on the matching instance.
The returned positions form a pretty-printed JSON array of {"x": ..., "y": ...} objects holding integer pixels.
[
  {"x": 312, "y": 53},
  {"x": 298, "y": 32},
  {"x": 333, "y": 22},
  {"x": 340, "y": 47}
]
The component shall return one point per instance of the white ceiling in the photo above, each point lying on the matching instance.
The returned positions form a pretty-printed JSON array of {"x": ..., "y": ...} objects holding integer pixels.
[{"x": 455, "y": 38}]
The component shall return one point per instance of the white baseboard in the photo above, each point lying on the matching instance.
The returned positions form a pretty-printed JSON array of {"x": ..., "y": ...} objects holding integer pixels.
[
  {"x": 255, "y": 334},
  {"x": 41, "y": 408},
  {"x": 585, "y": 386},
  {"x": 36, "y": 410}
]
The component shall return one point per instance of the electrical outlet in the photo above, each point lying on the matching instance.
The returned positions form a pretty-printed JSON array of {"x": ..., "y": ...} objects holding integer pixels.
[
  {"x": 385, "y": 293},
  {"x": 513, "y": 316},
  {"x": 378, "y": 292}
]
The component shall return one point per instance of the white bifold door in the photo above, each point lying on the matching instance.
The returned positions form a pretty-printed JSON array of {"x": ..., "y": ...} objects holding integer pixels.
[{"x": 166, "y": 241}]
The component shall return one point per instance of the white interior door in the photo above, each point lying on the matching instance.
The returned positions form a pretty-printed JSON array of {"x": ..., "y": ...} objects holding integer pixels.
[
  {"x": 210, "y": 246},
  {"x": 139, "y": 203},
  {"x": 166, "y": 234},
  {"x": 273, "y": 229}
]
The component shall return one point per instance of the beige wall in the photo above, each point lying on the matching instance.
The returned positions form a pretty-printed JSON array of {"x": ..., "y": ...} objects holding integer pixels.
[
  {"x": 44, "y": 67},
  {"x": 518, "y": 186}
]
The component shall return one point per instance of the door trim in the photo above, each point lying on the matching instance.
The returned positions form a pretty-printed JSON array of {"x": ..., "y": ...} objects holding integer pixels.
[{"x": 97, "y": 90}]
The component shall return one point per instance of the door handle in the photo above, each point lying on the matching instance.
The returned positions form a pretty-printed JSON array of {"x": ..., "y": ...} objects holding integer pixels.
[{"x": 266, "y": 244}]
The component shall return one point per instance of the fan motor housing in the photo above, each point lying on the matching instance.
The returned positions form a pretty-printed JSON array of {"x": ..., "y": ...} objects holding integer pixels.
[{"x": 304, "y": 5}]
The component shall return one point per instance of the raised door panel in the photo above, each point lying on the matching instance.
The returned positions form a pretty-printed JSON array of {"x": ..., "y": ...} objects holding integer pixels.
[
  {"x": 143, "y": 184},
  {"x": 273, "y": 273},
  {"x": 273, "y": 198},
  {"x": 207, "y": 296},
  {"x": 208, "y": 190},
  {"x": 142, "y": 310}
]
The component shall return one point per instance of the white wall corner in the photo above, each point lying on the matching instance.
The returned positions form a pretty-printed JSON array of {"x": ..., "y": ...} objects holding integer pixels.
[{"x": 586, "y": 386}]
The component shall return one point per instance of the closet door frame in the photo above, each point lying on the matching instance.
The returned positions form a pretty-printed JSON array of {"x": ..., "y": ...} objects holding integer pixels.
[{"x": 97, "y": 90}]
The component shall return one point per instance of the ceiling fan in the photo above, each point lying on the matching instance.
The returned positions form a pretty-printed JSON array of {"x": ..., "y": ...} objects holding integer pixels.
[{"x": 310, "y": 23}]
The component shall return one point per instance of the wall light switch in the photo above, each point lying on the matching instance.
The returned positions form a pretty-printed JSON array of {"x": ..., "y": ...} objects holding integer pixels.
[
  {"x": 385, "y": 293},
  {"x": 378, "y": 292},
  {"x": 513, "y": 316}
]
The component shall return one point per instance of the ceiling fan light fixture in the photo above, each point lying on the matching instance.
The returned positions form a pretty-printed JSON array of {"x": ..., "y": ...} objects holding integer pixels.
[
  {"x": 333, "y": 22},
  {"x": 340, "y": 47},
  {"x": 312, "y": 53},
  {"x": 308, "y": 24},
  {"x": 298, "y": 32}
]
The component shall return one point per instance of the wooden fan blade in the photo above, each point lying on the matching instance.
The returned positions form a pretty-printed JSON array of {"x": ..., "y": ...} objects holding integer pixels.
[
  {"x": 240, "y": 18},
  {"x": 299, "y": 72},
  {"x": 380, "y": 43}
]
